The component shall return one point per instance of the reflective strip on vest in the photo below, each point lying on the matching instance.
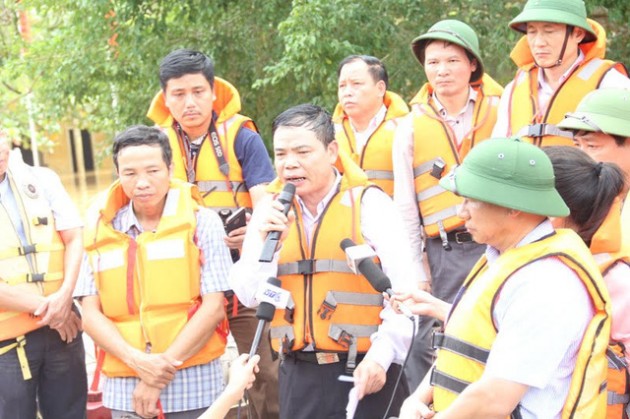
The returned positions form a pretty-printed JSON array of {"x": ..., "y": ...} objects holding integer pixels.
[
  {"x": 207, "y": 186},
  {"x": 430, "y": 193},
  {"x": 465, "y": 349},
  {"x": 448, "y": 382},
  {"x": 542, "y": 130},
  {"x": 616, "y": 398},
  {"x": 309, "y": 266},
  {"x": 355, "y": 330},
  {"x": 614, "y": 361},
  {"x": 380, "y": 174},
  {"x": 426, "y": 167},
  {"x": 280, "y": 332},
  {"x": 353, "y": 298},
  {"x": 590, "y": 68},
  {"x": 40, "y": 277},
  {"x": 26, "y": 250},
  {"x": 441, "y": 215}
]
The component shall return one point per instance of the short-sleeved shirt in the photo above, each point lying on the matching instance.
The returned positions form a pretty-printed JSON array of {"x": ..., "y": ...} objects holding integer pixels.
[
  {"x": 541, "y": 315},
  {"x": 253, "y": 157},
  {"x": 195, "y": 387},
  {"x": 64, "y": 211}
]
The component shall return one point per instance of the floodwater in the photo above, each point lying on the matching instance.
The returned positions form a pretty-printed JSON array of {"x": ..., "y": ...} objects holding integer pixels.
[{"x": 83, "y": 189}]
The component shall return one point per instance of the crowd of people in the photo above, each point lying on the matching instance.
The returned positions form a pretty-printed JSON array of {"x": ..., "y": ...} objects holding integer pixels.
[{"x": 488, "y": 274}]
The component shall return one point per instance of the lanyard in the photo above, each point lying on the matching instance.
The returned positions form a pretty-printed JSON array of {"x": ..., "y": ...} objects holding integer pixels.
[{"x": 192, "y": 151}]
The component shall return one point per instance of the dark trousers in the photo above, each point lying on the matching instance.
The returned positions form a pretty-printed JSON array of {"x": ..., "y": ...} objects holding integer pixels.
[
  {"x": 449, "y": 269},
  {"x": 263, "y": 396},
  {"x": 59, "y": 384},
  {"x": 309, "y": 390}
]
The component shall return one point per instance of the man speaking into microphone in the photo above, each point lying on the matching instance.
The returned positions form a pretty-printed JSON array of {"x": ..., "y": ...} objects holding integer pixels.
[{"x": 336, "y": 323}]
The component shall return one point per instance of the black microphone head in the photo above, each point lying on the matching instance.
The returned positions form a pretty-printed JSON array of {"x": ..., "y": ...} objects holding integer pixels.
[
  {"x": 287, "y": 194},
  {"x": 375, "y": 275},
  {"x": 345, "y": 243},
  {"x": 267, "y": 310}
]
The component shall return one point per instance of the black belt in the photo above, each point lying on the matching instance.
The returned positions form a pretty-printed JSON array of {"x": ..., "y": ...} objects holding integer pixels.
[
  {"x": 459, "y": 237},
  {"x": 320, "y": 357}
]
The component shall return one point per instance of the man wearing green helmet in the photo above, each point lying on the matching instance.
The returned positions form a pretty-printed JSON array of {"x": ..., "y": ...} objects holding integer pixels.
[
  {"x": 560, "y": 59},
  {"x": 527, "y": 334},
  {"x": 601, "y": 124},
  {"x": 451, "y": 113}
]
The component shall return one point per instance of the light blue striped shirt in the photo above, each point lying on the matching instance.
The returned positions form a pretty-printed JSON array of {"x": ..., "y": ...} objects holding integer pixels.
[{"x": 194, "y": 387}]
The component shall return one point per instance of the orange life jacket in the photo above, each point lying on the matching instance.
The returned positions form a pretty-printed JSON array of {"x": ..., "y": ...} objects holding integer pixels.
[
  {"x": 539, "y": 125},
  {"x": 435, "y": 147},
  {"x": 334, "y": 309},
  {"x": 218, "y": 190},
  {"x": 135, "y": 282},
  {"x": 376, "y": 157},
  {"x": 606, "y": 246}
]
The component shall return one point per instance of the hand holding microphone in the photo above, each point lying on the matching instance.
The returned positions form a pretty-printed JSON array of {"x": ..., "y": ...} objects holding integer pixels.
[
  {"x": 360, "y": 261},
  {"x": 273, "y": 237}
]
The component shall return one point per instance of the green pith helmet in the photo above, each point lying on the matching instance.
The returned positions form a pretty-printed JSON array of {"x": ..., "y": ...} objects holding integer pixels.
[
  {"x": 605, "y": 110},
  {"x": 509, "y": 173},
  {"x": 568, "y": 12},
  {"x": 455, "y": 32}
]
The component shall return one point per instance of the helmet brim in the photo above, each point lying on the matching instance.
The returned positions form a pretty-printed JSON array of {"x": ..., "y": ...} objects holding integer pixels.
[
  {"x": 519, "y": 23},
  {"x": 419, "y": 44},
  {"x": 508, "y": 194},
  {"x": 592, "y": 122}
]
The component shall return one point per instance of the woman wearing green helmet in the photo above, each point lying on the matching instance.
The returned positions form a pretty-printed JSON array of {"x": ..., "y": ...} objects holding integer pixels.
[
  {"x": 591, "y": 191},
  {"x": 560, "y": 59},
  {"x": 601, "y": 124}
]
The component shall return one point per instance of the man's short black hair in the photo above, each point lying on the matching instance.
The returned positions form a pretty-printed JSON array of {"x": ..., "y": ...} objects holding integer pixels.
[
  {"x": 311, "y": 117},
  {"x": 376, "y": 67},
  {"x": 137, "y": 135},
  {"x": 185, "y": 61}
]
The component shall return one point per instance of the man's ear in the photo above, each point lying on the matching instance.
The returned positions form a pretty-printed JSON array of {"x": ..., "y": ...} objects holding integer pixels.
[
  {"x": 578, "y": 34},
  {"x": 333, "y": 151}
]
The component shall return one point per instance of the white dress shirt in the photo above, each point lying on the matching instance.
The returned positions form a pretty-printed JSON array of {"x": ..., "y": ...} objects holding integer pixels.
[
  {"x": 402, "y": 157},
  {"x": 382, "y": 229}
]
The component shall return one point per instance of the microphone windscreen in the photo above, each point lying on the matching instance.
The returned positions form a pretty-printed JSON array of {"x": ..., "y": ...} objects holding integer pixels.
[
  {"x": 265, "y": 311},
  {"x": 287, "y": 194},
  {"x": 375, "y": 275},
  {"x": 345, "y": 243}
]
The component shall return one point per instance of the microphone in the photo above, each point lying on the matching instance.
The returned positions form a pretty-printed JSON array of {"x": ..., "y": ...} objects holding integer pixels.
[
  {"x": 360, "y": 259},
  {"x": 270, "y": 296},
  {"x": 273, "y": 237}
]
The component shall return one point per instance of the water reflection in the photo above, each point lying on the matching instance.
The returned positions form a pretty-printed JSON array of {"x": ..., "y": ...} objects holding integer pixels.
[{"x": 83, "y": 189}]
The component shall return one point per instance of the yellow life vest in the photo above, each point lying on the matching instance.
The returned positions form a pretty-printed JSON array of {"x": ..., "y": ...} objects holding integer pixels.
[
  {"x": 436, "y": 152},
  {"x": 334, "y": 309},
  {"x": 606, "y": 246},
  {"x": 463, "y": 350},
  {"x": 376, "y": 157},
  {"x": 36, "y": 267},
  {"x": 218, "y": 190},
  {"x": 537, "y": 125},
  {"x": 136, "y": 279}
]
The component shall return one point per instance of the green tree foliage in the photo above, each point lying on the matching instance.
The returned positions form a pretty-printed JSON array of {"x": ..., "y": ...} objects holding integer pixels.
[{"x": 93, "y": 63}]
